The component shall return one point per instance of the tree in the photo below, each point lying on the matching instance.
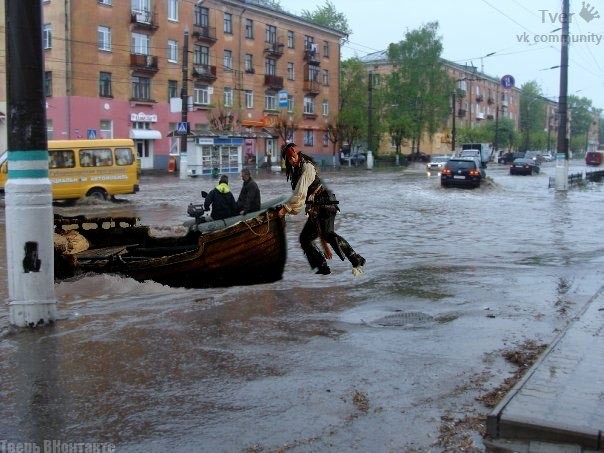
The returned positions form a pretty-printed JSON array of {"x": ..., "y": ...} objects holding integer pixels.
[
  {"x": 327, "y": 16},
  {"x": 581, "y": 116},
  {"x": 532, "y": 116},
  {"x": 419, "y": 87},
  {"x": 351, "y": 121}
]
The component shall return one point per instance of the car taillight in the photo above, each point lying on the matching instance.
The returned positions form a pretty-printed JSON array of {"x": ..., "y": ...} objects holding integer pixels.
[
  {"x": 474, "y": 172},
  {"x": 526, "y": 166},
  {"x": 446, "y": 171}
]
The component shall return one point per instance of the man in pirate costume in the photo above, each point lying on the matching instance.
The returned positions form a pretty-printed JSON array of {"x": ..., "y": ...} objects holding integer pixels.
[{"x": 321, "y": 208}]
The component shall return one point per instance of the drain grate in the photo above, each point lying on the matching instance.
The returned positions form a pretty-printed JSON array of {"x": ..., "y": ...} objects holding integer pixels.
[{"x": 404, "y": 319}]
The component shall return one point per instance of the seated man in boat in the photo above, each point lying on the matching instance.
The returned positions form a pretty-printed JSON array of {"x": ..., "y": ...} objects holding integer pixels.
[
  {"x": 321, "y": 208},
  {"x": 249, "y": 197},
  {"x": 221, "y": 200}
]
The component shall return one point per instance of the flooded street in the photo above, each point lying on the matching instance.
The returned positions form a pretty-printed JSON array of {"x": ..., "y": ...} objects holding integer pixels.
[{"x": 312, "y": 363}]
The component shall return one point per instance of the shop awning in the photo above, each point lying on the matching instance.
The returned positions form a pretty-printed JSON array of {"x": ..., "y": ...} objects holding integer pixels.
[{"x": 144, "y": 134}]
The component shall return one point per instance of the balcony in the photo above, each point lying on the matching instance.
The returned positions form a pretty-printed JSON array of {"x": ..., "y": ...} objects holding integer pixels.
[
  {"x": 479, "y": 98},
  {"x": 250, "y": 71},
  {"x": 144, "y": 63},
  {"x": 144, "y": 19},
  {"x": 490, "y": 100},
  {"x": 274, "y": 82},
  {"x": 204, "y": 34},
  {"x": 489, "y": 117},
  {"x": 461, "y": 113},
  {"x": 311, "y": 56},
  {"x": 461, "y": 93},
  {"x": 204, "y": 72},
  {"x": 274, "y": 49},
  {"x": 312, "y": 87}
]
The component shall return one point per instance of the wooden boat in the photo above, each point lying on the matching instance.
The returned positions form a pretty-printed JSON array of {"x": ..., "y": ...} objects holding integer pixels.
[{"x": 240, "y": 250}]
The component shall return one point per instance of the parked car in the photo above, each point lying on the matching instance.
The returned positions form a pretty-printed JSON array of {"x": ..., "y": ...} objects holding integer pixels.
[
  {"x": 508, "y": 158},
  {"x": 548, "y": 157},
  {"x": 535, "y": 156},
  {"x": 594, "y": 158},
  {"x": 353, "y": 159},
  {"x": 524, "y": 167},
  {"x": 461, "y": 172},
  {"x": 436, "y": 164}
]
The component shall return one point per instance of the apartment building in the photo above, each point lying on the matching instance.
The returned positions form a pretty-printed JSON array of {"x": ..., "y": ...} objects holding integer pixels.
[
  {"x": 116, "y": 69},
  {"x": 478, "y": 98}
]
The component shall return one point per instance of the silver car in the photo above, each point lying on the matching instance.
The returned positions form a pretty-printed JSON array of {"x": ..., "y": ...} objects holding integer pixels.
[{"x": 436, "y": 164}]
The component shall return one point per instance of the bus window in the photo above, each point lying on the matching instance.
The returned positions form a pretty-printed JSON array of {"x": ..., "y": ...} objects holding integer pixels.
[
  {"x": 86, "y": 158},
  {"x": 124, "y": 156},
  {"x": 61, "y": 159}
]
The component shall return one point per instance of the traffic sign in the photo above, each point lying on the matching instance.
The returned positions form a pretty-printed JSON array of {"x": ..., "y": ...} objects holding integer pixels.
[
  {"x": 283, "y": 98},
  {"x": 507, "y": 81},
  {"x": 182, "y": 128},
  {"x": 91, "y": 134}
]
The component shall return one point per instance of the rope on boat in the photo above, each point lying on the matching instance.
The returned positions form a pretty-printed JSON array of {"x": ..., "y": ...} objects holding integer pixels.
[{"x": 268, "y": 226}]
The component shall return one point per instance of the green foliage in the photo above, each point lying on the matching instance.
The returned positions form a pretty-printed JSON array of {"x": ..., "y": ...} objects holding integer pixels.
[
  {"x": 351, "y": 122},
  {"x": 581, "y": 114},
  {"x": 327, "y": 16},
  {"x": 416, "y": 94},
  {"x": 532, "y": 115}
]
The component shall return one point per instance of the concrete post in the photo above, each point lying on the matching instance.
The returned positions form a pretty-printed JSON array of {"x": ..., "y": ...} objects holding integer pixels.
[{"x": 28, "y": 200}]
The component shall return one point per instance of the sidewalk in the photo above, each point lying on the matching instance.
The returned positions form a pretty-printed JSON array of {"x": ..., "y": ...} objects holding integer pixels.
[{"x": 559, "y": 404}]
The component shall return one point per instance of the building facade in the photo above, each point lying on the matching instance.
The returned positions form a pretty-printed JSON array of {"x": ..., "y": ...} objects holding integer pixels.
[
  {"x": 478, "y": 98},
  {"x": 118, "y": 69}
]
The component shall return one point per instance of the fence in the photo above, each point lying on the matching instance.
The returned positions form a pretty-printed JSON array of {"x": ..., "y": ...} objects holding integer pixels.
[{"x": 578, "y": 178}]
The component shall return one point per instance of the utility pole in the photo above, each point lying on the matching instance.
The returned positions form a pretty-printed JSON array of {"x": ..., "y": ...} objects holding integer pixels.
[
  {"x": 369, "y": 113},
  {"x": 453, "y": 127},
  {"x": 185, "y": 106},
  {"x": 28, "y": 211},
  {"x": 562, "y": 156}
]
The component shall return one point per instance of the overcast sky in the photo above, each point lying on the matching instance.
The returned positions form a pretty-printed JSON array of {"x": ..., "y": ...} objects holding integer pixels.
[{"x": 521, "y": 33}]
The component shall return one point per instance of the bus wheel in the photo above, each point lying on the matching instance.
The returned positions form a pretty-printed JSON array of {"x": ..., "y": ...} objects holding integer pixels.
[{"x": 97, "y": 194}]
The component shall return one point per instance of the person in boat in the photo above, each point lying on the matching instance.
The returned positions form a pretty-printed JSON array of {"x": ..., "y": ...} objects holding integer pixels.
[
  {"x": 221, "y": 200},
  {"x": 249, "y": 197},
  {"x": 321, "y": 206}
]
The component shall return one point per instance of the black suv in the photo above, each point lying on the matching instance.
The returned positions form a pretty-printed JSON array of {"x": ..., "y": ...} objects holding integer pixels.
[{"x": 462, "y": 172}]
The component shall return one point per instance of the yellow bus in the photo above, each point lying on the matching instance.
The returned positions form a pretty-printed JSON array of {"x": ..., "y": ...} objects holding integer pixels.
[{"x": 87, "y": 168}]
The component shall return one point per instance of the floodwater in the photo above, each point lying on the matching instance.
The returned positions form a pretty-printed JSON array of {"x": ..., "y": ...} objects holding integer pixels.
[{"x": 311, "y": 363}]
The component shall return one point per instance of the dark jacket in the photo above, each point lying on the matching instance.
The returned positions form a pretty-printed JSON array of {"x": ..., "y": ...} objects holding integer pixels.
[
  {"x": 222, "y": 201},
  {"x": 249, "y": 197}
]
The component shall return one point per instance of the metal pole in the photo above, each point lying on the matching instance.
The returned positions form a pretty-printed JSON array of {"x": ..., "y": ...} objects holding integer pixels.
[
  {"x": 29, "y": 215},
  {"x": 562, "y": 144},
  {"x": 453, "y": 126},
  {"x": 370, "y": 116},
  {"x": 185, "y": 106}
]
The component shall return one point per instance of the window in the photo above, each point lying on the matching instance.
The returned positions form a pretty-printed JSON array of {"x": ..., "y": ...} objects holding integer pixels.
[
  {"x": 101, "y": 157},
  {"x": 49, "y": 129},
  {"x": 201, "y": 95},
  {"x": 202, "y": 16},
  {"x": 47, "y": 83},
  {"x": 124, "y": 156},
  {"x": 105, "y": 2},
  {"x": 290, "y": 39},
  {"x": 249, "y": 63},
  {"x": 290, "y": 70},
  {"x": 290, "y": 103},
  {"x": 104, "y": 37},
  {"x": 326, "y": 49},
  {"x": 228, "y": 97},
  {"x": 325, "y": 77},
  {"x": 47, "y": 36},
  {"x": 140, "y": 44},
  {"x": 325, "y": 107},
  {"x": 172, "y": 51},
  {"x": 270, "y": 101},
  {"x": 309, "y": 138},
  {"x": 228, "y": 60},
  {"x": 105, "y": 85},
  {"x": 63, "y": 158},
  {"x": 173, "y": 10},
  {"x": 201, "y": 55},
  {"x": 270, "y": 66},
  {"x": 249, "y": 29},
  {"x": 270, "y": 35},
  {"x": 249, "y": 99},
  {"x": 308, "y": 42},
  {"x": 228, "y": 23},
  {"x": 141, "y": 88},
  {"x": 106, "y": 129},
  {"x": 309, "y": 105},
  {"x": 172, "y": 89},
  {"x": 313, "y": 73},
  {"x": 325, "y": 139}
]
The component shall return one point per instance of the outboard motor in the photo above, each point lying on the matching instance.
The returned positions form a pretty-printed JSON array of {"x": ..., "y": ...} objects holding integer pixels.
[{"x": 197, "y": 211}]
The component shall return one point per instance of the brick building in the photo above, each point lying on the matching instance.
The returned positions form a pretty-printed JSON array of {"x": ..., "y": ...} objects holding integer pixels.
[
  {"x": 478, "y": 98},
  {"x": 112, "y": 68}
]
